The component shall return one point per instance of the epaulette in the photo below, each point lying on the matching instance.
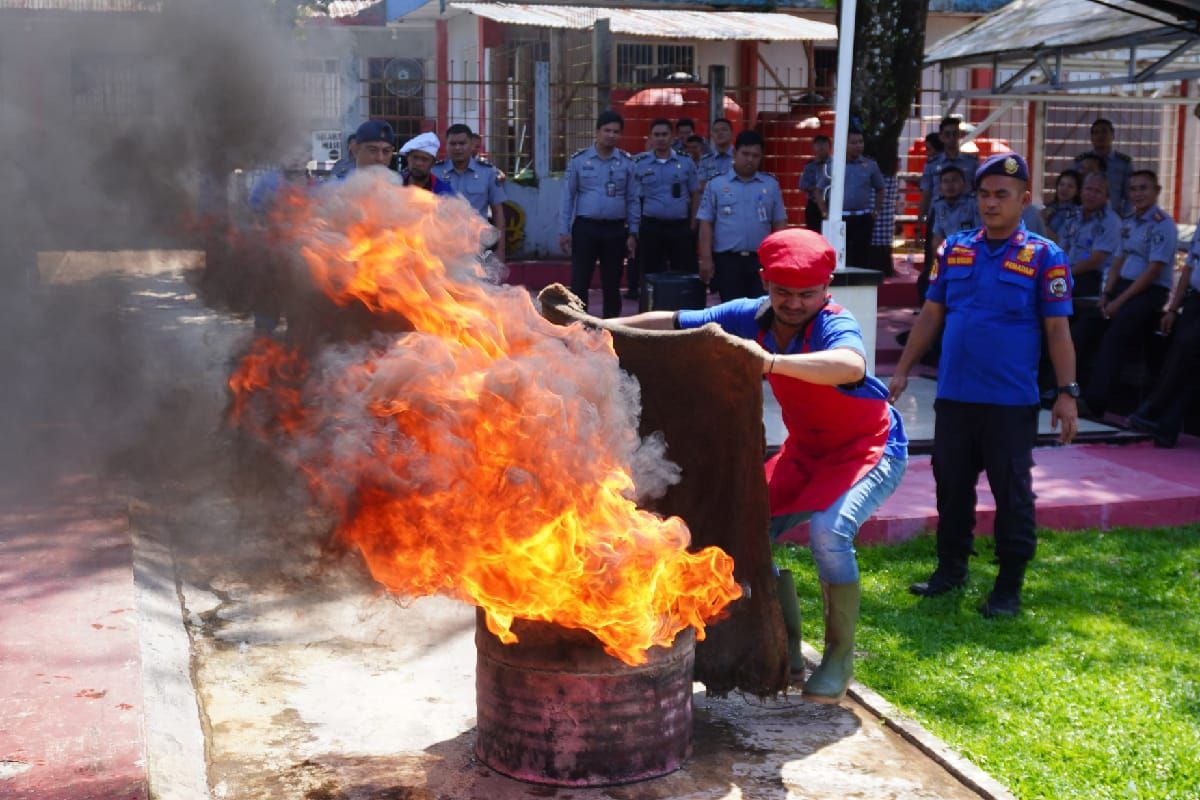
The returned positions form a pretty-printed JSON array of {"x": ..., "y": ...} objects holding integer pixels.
[
  {"x": 580, "y": 152},
  {"x": 624, "y": 153},
  {"x": 1121, "y": 156},
  {"x": 439, "y": 162},
  {"x": 643, "y": 156},
  {"x": 1158, "y": 215},
  {"x": 483, "y": 161}
]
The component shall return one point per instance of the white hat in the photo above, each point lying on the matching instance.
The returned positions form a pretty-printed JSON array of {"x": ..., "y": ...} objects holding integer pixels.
[{"x": 427, "y": 142}]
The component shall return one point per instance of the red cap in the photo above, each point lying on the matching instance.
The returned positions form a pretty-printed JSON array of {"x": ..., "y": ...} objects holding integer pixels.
[{"x": 797, "y": 258}]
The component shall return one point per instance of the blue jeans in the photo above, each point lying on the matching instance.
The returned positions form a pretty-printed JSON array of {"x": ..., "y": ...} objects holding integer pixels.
[{"x": 832, "y": 531}]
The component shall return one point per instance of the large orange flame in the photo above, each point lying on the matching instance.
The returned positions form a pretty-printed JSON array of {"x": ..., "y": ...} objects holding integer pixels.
[{"x": 487, "y": 455}]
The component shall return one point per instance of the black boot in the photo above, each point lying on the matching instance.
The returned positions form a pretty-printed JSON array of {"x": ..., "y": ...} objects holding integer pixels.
[
  {"x": 950, "y": 574},
  {"x": 1005, "y": 597}
]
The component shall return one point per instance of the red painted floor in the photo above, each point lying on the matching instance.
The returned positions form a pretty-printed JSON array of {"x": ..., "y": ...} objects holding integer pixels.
[{"x": 71, "y": 704}]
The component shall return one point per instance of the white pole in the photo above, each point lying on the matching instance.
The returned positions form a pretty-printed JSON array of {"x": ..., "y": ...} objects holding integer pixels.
[{"x": 834, "y": 228}]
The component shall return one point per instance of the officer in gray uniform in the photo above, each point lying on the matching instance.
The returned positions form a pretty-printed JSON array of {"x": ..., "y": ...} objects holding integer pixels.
[
  {"x": 862, "y": 199},
  {"x": 1137, "y": 286},
  {"x": 950, "y": 134},
  {"x": 717, "y": 160},
  {"x": 600, "y": 213},
  {"x": 1117, "y": 166},
  {"x": 814, "y": 182},
  {"x": 478, "y": 182},
  {"x": 668, "y": 186},
  {"x": 1091, "y": 240},
  {"x": 956, "y": 209},
  {"x": 739, "y": 209}
]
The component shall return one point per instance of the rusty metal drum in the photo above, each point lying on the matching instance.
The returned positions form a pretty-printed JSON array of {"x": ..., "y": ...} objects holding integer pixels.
[{"x": 556, "y": 709}]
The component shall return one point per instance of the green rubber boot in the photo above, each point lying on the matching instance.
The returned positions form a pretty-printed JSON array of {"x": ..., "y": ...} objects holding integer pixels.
[
  {"x": 785, "y": 587},
  {"x": 828, "y": 682}
]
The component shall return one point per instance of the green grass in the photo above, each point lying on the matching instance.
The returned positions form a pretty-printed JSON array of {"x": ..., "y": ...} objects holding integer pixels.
[{"x": 1093, "y": 691}]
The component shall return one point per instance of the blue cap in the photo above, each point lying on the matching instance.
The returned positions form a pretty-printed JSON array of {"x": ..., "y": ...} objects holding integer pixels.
[
  {"x": 375, "y": 130},
  {"x": 1009, "y": 165}
]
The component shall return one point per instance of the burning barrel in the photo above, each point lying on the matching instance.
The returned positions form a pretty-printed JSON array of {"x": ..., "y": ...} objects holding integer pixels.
[{"x": 555, "y": 709}]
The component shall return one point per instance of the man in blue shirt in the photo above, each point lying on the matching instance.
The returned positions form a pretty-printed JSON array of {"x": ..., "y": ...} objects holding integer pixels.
[
  {"x": 862, "y": 200},
  {"x": 846, "y": 450},
  {"x": 738, "y": 210},
  {"x": 1091, "y": 240},
  {"x": 600, "y": 213},
  {"x": 479, "y": 183},
  {"x": 668, "y": 186},
  {"x": 995, "y": 291}
]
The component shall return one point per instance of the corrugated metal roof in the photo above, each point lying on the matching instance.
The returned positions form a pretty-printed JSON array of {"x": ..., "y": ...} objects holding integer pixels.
[
  {"x": 81, "y": 5},
  {"x": 349, "y": 8},
  {"x": 661, "y": 23},
  {"x": 1038, "y": 24}
]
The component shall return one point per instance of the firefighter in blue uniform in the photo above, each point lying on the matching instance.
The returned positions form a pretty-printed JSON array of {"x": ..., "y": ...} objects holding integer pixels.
[
  {"x": 600, "y": 213},
  {"x": 995, "y": 290}
]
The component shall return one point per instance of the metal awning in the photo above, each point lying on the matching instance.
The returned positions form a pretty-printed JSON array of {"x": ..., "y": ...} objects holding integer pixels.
[
  {"x": 1041, "y": 46},
  {"x": 661, "y": 23}
]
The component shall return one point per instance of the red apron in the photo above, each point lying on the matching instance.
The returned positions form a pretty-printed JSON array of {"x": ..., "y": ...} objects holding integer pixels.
[{"x": 833, "y": 440}]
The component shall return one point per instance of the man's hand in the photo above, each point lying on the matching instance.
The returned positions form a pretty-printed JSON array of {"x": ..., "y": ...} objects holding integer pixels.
[
  {"x": 706, "y": 270},
  {"x": 896, "y": 387},
  {"x": 1167, "y": 323},
  {"x": 631, "y": 246},
  {"x": 1065, "y": 410},
  {"x": 564, "y": 243}
]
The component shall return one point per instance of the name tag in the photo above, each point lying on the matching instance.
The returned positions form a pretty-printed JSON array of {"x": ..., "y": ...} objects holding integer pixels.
[
  {"x": 1028, "y": 270},
  {"x": 960, "y": 256}
]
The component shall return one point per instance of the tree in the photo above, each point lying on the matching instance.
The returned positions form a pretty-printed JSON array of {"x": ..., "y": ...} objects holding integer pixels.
[{"x": 889, "y": 51}]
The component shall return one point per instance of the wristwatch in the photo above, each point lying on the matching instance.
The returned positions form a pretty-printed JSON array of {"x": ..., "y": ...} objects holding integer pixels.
[{"x": 1071, "y": 389}]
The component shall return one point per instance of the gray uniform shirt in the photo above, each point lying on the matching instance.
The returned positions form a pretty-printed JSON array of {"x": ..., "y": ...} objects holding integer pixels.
[
  {"x": 863, "y": 179},
  {"x": 478, "y": 183},
  {"x": 666, "y": 185},
  {"x": 600, "y": 188},
  {"x": 741, "y": 210},
  {"x": 933, "y": 170},
  {"x": 815, "y": 177},
  {"x": 949, "y": 219},
  {"x": 1085, "y": 234},
  {"x": 1117, "y": 167},
  {"x": 714, "y": 163},
  {"x": 1149, "y": 237}
]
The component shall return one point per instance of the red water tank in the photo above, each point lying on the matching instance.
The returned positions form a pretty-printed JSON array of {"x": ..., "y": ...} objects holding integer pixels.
[
  {"x": 668, "y": 102},
  {"x": 788, "y": 139}
]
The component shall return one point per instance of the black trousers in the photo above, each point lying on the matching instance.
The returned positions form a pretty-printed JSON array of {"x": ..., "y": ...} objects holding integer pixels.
[
  {"x": 604, "y": 240},
  {"x": 812, "y": 216},
  {"x": 667, "y": 244},
  {"x": 1125, "y": 333},
  {"x": 859, "y": 230},
  {"x": 972, "y": 437},
  {"x": 1178, "y": 385},
  {"x": 1087, "y": 331},
  {"x": 736, "y": 275},
  {"x": 927, "y": 266}
]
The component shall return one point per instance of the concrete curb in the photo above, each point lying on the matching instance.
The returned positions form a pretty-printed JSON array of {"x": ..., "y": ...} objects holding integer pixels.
[
  {"x": 175, "y": 747},
  {"x": 915, "y": 734}
]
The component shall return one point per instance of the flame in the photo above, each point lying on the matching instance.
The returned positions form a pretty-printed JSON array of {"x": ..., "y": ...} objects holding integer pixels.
[{"x": 487, "y": 454}]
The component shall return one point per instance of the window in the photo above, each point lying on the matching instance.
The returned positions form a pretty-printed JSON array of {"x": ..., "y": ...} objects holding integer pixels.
[
  {"x": 396, "y": 93},
  {"x": 648, "y": 63},
  {"x": 110, "y": 85}
]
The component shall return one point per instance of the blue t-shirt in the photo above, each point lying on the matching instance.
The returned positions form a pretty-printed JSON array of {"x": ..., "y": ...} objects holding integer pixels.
[
  {"x": 830, "y": 330},
  {"x": 996, "y": 299}
]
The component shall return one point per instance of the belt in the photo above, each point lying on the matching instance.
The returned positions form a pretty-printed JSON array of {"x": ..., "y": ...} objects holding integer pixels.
[
  {"x": 664, "y": 221},
  {"x": 741, "y": 253},
  {"x": 861, "y": 213},
  {"x": 620, "y": 221}
]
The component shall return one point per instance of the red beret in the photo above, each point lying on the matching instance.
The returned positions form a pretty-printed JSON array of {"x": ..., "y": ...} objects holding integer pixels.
[{"x": 797, "y": 258}]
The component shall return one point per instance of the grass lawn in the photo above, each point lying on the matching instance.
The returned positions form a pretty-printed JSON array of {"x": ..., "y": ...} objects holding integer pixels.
[{"x": 1093, "y": 692}]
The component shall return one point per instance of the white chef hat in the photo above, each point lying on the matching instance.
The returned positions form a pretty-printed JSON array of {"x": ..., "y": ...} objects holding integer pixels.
[{"x": 427, "y": 142}]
